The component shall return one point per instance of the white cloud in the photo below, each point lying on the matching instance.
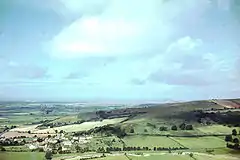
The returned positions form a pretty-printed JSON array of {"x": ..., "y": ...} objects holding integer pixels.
[
  {"x": 185, "y": 44},
  {"x": 125, "y": 28}
]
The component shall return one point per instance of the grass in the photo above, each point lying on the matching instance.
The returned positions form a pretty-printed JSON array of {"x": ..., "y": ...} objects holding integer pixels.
[
  {"x": 215, "y": 157},
  {"x": 216, "y": 129},
  {"x": 149, "y": 141},
  {"x": 24, "y": 119},
  {"x": 201, "y": 142},
  {"x": 72, "y": 118},
  {"x": 159, "y": 157},
  {"x": 21, "y": 156},
  {"x": 113, "y": 158}
]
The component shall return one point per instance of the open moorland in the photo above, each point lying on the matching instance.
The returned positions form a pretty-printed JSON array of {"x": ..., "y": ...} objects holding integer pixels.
[{"x": 196, "y": 130}]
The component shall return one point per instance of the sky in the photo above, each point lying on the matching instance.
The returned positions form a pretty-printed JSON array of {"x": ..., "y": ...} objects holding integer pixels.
[{"x": 119, "y": 50}]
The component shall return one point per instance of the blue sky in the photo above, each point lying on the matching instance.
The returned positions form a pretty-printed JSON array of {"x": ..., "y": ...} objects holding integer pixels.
[{"x": 119, "y": 50}]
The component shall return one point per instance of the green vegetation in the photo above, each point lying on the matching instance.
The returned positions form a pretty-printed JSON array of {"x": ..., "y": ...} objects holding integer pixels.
[
  {"x": 213, "y": 129},
  {"x": 21, "y": 156},
  {"x": 150, "y": 141},
  {"x": 163, "y": 156},
  {"x": 201, "y": 142}
]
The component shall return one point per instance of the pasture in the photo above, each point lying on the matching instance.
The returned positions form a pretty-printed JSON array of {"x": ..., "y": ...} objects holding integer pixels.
[
  {"x": 201, "y": 142},
  {"x": 149, "y": 141},
  {"x": 216, "y": 129}
]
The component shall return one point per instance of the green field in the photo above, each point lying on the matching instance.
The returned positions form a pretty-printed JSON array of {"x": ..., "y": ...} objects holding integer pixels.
[
  {"x": 216, "y": 129},
  {"x": 21, "y": 156},
  {"x": 113, "y": 158},
  {"x": 163, "y": 157},
  {"x": 149, "y": 141},
  {"x": 201, "y": 142},
  {"x": 72, "y": 118}
]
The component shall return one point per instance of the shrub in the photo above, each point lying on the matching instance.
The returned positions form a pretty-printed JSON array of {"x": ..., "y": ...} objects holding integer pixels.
[
  {"x": 182, "y": 126},
  {"x": 189, "y": 127},
  {"x": 228, "y": 138},
  {"x": 236, "y": 140},
  {"x": 132, "y": 130},
  {"x": 48, "y": 155},
  {"x": 234, "y": 132},
  {"x": 174, "y": 128},
  {"x": 163, "y": 128}
]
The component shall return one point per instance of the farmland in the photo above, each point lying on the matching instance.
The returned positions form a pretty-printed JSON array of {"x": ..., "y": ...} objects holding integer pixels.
[
  {"x": 201, "y": 142},
  {"x": 150, "y": 141},
  {"x": 162, "y": 131}
]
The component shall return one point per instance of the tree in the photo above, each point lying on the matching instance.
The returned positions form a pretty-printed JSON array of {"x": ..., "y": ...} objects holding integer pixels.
[
  {"x": 145, "y": 130},
  {"x": 29, "y": 132},
  {"x": 162, "y": 128},
  {"x": 100, "y": 150},
  {"x": 56, "y": 131},
  {"x": 210, "y": 151},
  {"x": 48, "y": 155},
  {"x": 189, "y": 127},
  {"x": 236, "y": 140},
  {"x": 234, "y": 132},
  {"x": 61, "y": 131},
  {"x": 236, "y": 146},
  {"x": 2, "y": 149},
  {"x": 132, "y": 130},
  {"x": 39, "y": 139},
  {"x": 182, "y": 126},
  {"x": 191, "y": 155},
  {"x": 78, "y": 148},
  {"x": 174, "y": 128},
  {"x": 228, "y": 138}
]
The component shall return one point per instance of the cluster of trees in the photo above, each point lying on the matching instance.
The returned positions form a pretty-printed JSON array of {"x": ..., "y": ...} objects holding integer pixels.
[
  {"x": 136, "y": 148},
  {"x": 12, "y": 142},
  {"x": 118, "y": 113},
  {"x": 59, "y": 124},
  {"x": 2, "y": 149},
  {"x": 163, "y": 128},
  {"x": 7, "y": 128},
  {"x": 169, "y": 148},
  {"x": 81, "y": 150},
  {"x": 233, "y": 142},
  {"x": 228, "y": 117},
  {"x": 107, "y": 129},
  {"x": 182, "y": 126},
  {"x": 110, "y": 149},
  {"x": 48, "y": 155}
]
